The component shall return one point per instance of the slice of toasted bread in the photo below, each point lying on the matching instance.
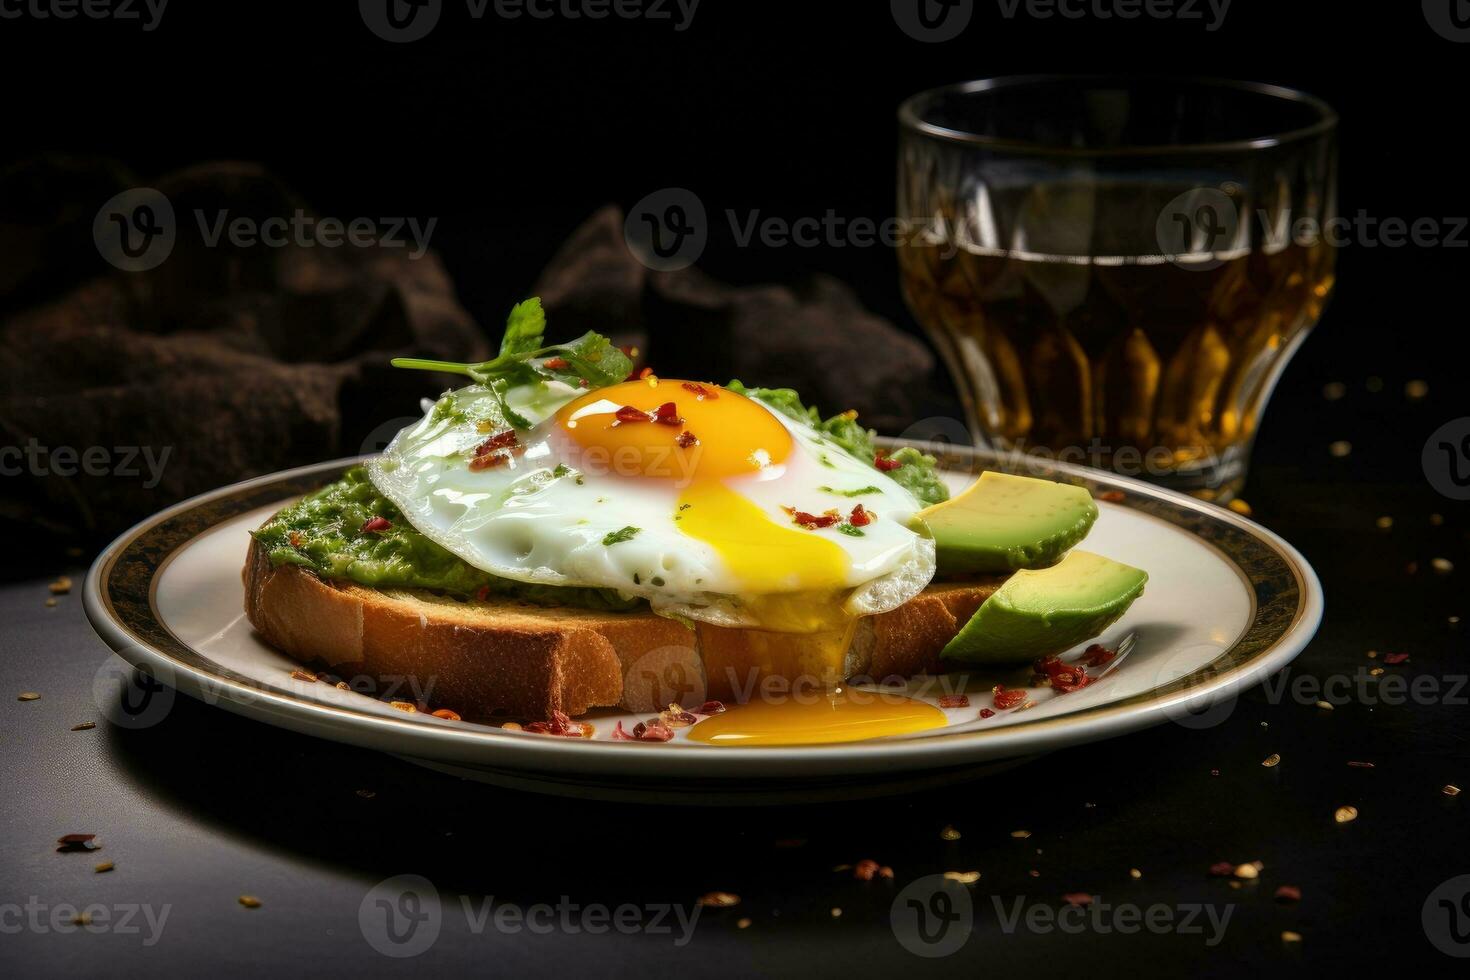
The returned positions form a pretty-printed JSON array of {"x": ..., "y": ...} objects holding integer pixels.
[{"x": 503, "y": 657}]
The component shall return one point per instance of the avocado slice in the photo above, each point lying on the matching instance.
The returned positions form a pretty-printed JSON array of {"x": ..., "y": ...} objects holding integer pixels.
[
  {"x": 1043, "y": 612},
  {"x": 1003, "y": 522}
]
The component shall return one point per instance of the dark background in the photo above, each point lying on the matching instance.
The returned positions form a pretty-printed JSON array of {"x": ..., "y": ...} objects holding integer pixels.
[{"x": 511, "y": 134}]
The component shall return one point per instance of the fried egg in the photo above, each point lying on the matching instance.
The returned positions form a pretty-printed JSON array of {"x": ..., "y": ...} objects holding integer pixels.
[{"x": 707, "y": 503}]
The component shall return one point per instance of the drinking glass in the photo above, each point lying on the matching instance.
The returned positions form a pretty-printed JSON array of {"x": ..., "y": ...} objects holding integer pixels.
[{"x": 1117, "y": 270}]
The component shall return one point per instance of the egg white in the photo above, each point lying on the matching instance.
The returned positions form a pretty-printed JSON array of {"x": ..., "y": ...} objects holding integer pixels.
[{"x": 522, "y": 521}]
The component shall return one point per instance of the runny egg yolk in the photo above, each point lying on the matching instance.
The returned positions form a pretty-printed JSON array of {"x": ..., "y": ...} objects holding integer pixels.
[
  {"x": 840, "y": 715},
  {"x": 700, "y": 439}
]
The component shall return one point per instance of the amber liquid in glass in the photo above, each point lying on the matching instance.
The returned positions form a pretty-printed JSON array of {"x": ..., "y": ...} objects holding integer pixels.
[{"x": 1151, "y": 365}]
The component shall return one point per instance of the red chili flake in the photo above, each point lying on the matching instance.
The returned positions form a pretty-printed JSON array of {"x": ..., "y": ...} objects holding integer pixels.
[
  {"x": 555, "y": 363},
  {"x": 667, "y": 414},
  {"x": 884, "y": 464},
  {"x": 1360, "y": 765},
  {"x": 630, "y": 414},
  {"x": 448, "y": 714},
  {"x": 581, "y": 382},
  {"x": 376, "y": 525},
  {"x": 295, "y": 538},
  {"x": 700, "y": 391},
  {"x": 860, "y": 517},
  {"x": 77, "y": 842},
  {"x": 1079, "y": 899},
  {"x": 813, "y": 522},
  {"x": 1064, "y": 677},
  {"x": 686, "y": 439},
  {"x": 1395, "y": 658},
  {"x": 559, "y": 724},
  {"x": 1288, "y": 893},
  {"x": 621, "y": 734},
  {"x": 1008, "y": 699},
  {"x": 642, "y": 373},
  {"x": 497, "y": 450},
  {"x": 866, "y": 869},
  {"x": 1222, "y": 869},
  {"x": 986, "y": 713},
  {"x": 710, "y": 708},
  {"x": 1097, "y": 655},
  {"x": 954, "y": 701},
  {"x": 1112, "y": 496},
  {"x": 652, "y": 733},
  {"x": 482, "y": 593}
]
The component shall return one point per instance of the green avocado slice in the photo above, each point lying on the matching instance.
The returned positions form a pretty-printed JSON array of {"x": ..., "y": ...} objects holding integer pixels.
[
  {"x": 1044, "y": 612},
  {"x": 1003, "y": 523}
]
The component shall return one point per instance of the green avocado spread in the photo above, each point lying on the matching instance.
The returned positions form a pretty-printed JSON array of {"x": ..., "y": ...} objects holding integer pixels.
[
  {"x": 324, "y": 533},
  {"x": 328, "y": 532}
]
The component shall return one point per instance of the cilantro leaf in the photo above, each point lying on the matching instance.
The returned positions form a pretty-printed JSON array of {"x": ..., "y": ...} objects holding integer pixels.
[
  {"x": 619, "y": 536},
  {"x": 524, "y": 327}
]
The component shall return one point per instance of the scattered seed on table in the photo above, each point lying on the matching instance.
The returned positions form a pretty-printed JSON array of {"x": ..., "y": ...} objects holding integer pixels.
[
  {"x": 1450, "y": 789},
  {"x": 85, "y": 726},
  {"x": 1384, "y": 523},
  {"x": 1334, "y": 390},
  {"x": 949, "y": 833},
  {"x": 249, "y": 901},
  {"x": 1442, "y": 566},
  {"x": 1325, "y": 705},
  {"x": 1341, "y": 448},
  {"x": 1272, "y": 760},
  {"x": 1291, "y": 937},
  {"x": 1416, "y": 389},
  {"x": 104, "y": 867},
  {"x": 28, "y": 696},
  {"x": 1346, "y": 814}
]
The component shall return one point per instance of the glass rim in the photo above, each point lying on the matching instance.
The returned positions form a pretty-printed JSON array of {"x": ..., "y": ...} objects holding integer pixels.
[{"x": 911, "y": 118}]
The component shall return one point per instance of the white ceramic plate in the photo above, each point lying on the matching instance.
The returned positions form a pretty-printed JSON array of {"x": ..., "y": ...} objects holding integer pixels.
[{"x": 1227, "y": 603}]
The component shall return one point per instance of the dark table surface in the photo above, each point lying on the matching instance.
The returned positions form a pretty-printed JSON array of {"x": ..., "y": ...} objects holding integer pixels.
[{"x": 204, "y": 806}]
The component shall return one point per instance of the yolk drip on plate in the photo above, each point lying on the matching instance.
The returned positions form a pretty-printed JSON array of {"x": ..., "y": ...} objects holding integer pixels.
[{"x": 841, "y": 715}]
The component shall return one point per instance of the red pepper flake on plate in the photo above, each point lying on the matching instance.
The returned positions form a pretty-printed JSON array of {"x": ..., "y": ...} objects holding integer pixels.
[
  {"x": 686, "y": 439},
  {"x": 1222, "y": 869},
  {"x": 813, "y": 522},
  {"x": 860, "y": 517},
  {"x": 1112, "y": 496},
  {"x": 884, "y": 464},
  {"x": 1097, "y": 655},
  {"x": 710, "y": 708},
  {"x": 1062, "y": 676},
  {"x": 1005, "y": 700},
  {"x": 561, "y": 724},
  {"x": 555, "y": 364},
  {"x": 376, "y": 525},
  {"x": 954, "y": 701},
  {"x": 496, "y": 451},
  {"x": 628, "y": 414},
  {"x": 667, "y": 414},
  {"x": 700, "y": 392},
  {"x": 447, "y": 714},
  {"x": 1395, "y": 658},
  {"x": 986, "y": 713},
  {"x": 69, "y": 843}
]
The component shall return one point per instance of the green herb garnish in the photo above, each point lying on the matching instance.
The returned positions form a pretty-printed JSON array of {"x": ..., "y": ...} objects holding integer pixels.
[
  {"x": 523, "y": 359},
  {"x": 860, "y": 491},
  {"x": 851, "y": 531},
  {"x": 619, "y": 536}
]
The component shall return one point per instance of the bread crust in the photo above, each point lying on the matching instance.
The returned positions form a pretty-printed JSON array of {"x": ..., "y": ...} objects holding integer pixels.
[{"x": 502, "y": 657}]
